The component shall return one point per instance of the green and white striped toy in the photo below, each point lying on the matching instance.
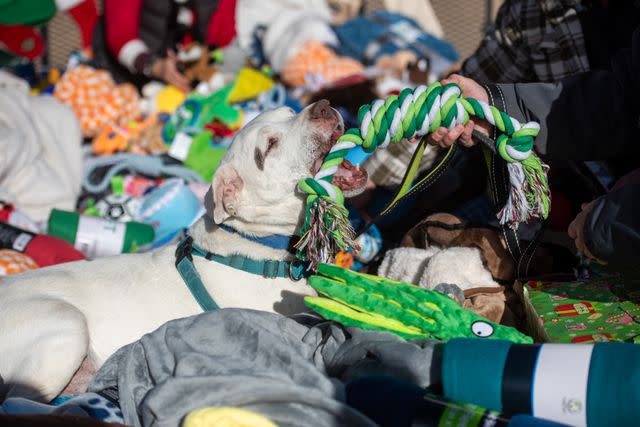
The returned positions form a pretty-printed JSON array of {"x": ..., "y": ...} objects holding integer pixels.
[{"x": 417, "y": 113}]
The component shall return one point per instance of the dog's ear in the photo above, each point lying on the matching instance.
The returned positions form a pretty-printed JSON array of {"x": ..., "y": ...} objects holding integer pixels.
[{"x": 226, "y": 188}]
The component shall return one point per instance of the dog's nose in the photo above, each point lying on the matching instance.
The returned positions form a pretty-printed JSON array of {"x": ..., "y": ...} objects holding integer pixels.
[{"x": 321, "y": 110}]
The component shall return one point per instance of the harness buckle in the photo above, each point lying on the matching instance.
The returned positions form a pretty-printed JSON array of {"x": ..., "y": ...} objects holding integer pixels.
[
  {"x": 184, "y": 250},
  {"x": 296, "y": 270}
]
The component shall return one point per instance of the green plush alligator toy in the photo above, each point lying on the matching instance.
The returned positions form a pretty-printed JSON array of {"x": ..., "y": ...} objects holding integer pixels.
[{"x": 375, "y": 303}]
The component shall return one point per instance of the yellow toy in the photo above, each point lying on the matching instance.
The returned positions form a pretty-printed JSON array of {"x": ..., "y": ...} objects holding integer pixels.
[
  {"x": 225, "y": 417},
  {"x": 248, "y": 85},
  {"x": 168, "y": 99}
]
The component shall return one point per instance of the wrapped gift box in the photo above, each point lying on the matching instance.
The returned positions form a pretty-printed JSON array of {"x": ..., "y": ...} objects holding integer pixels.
[{"x": 601, "y": 309}]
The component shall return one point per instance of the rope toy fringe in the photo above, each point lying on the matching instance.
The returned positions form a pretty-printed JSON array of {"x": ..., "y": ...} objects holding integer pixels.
[{"x": 417, "y": 113}]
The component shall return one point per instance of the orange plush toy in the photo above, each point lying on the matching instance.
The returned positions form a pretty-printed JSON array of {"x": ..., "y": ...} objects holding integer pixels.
[
  {"x": 12, "y": 262},
  {"x": 96, "y": 99},
  {"x": 110, "y": 140},
  {"x": 316, "y": 59},
  {"x": 137, "y": 137}
]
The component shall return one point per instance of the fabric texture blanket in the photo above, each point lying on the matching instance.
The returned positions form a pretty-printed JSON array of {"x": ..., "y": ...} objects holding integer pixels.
[
  {"x": 290, "y": 371},
  {"x": 40, "y": 151}
]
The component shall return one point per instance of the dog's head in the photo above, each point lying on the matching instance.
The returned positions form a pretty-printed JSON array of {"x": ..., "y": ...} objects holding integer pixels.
[{"x": 256, "y": 182}]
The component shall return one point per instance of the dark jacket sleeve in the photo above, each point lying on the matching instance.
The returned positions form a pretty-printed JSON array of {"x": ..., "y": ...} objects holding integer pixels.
[
  {"x": 503, "y": 54},
  {"x": 590, "y": 116},
  {"x": 612, "y": 229}
]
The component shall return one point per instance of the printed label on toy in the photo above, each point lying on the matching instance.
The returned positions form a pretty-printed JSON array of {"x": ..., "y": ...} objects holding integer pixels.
[
  {"x": 560, "y": 383},
  {"x": 180, "y": 146},
  {"x": 21, "y": 242},
  {"x": 461, "y": 416},
  {"x": 14, "y": 238},
  {"x": 97, "y": 237}
]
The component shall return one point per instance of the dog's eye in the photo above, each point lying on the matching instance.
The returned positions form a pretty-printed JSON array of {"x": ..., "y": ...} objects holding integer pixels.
[{"x": 271, "y": 143}]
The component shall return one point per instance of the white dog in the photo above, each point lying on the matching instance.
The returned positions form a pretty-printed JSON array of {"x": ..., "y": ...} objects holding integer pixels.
[{"x": 52, "y": 319}]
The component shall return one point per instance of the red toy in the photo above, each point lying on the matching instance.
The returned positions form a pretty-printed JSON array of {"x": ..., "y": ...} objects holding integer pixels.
[{"x": 45, "y": 250}]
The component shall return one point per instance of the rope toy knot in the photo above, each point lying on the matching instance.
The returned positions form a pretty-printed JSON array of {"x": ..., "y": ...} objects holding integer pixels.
[
  {"x": 321, "y": 188},
  {"x": 417, "y": 113}
]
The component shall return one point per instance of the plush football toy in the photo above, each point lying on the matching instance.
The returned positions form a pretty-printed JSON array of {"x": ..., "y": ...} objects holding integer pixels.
[{"x": 118, "y": 207}]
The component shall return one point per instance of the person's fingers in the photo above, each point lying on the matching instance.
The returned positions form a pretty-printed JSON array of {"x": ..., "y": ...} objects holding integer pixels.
[
  {"x": 440, "y": 132},
  {"x": 455, "y": 78},
  {"x": 574, "y": 233},
  {"x": 466, "y": 137},
  {"x": 172, "y": 66},
  {"x": 453, "y": 135},
  {"x": 183, "y": 85},
  {"x": 171, "y": 55},
  {"x": 470, "y": 88},
  {"x": 574, "y": 227},
  {"x": 572, "y": 230},
  {"x": 435, "y": 138},
  {"x": 158, "y": 69},
  {"x": 178, "y": 80}
]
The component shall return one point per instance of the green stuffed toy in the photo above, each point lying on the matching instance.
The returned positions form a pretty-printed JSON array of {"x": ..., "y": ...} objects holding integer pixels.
[
  {"x": 203, "y": 156},
  {"x": 375, "y": 303},
  {"x": 198, "y": 110}
]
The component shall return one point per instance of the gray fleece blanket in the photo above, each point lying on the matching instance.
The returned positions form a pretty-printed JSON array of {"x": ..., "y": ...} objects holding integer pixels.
[{"x": 288, "y": 370}]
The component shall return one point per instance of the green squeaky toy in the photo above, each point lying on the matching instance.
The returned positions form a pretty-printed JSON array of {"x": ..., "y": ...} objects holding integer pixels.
[{"x": 375, "y": 303}]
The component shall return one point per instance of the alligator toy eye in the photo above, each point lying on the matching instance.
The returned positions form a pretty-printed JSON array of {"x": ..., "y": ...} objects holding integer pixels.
[{"x": 482, "y": 329}]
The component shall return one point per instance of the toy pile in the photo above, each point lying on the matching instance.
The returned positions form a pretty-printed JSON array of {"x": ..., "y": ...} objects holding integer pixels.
[
  {"x": 150, "y": 159},
  {"x": 420, "y": 329},
  {"x": 153, "y": 153}
]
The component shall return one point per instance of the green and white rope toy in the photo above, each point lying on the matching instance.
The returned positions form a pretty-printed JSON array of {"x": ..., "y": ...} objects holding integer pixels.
[{"x": 417, "y": 113}]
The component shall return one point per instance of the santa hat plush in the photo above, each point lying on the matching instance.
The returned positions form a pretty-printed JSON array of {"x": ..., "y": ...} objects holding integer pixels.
[
  {"x": 85, "y": 15},
  {"x": 22, "y": 41},
  {"x": 19, "y": 32}
]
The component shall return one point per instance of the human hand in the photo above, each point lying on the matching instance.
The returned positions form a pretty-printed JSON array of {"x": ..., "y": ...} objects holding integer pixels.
[
  {"x": 470, "y": 88},
  {"x": 444, "y": 137},
  {"x": 166, "y": 69},
  {"x": 576, "y": 231}
]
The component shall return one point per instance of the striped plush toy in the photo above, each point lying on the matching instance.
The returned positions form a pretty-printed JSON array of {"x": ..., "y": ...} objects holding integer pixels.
[{"x": 411, "y": 114}]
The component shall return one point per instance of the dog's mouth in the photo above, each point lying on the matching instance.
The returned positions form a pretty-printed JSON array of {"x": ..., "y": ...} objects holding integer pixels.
[{"x": 351, "y": 179}]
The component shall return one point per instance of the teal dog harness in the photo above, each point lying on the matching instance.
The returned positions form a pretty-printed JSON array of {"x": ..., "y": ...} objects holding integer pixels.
[{"x": 270, "y": 269}]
